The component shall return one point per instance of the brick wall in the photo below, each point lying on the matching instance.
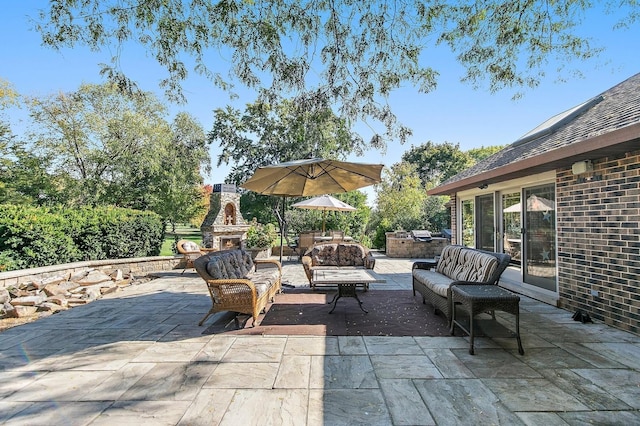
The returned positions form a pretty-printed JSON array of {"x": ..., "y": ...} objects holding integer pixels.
[{"x": 598, "y": 220}]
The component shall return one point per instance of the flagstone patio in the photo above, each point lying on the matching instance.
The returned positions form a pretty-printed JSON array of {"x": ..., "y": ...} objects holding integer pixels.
[{"x": 139, "y": 357}]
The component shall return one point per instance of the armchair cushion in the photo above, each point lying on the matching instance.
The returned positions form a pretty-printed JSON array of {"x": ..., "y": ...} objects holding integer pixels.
[
  {"x": 190, "y": 246},
  {"x": 437, "y": 282}
]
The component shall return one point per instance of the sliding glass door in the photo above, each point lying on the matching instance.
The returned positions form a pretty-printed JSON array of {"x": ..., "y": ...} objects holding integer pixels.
[
  {"x": 539, "y": 267},
  {"x": 485, "y": 223}
]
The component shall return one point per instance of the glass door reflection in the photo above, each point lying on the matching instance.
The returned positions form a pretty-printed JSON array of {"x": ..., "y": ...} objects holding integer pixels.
[
  {"x": 540, "y": 237},
  {"x": 512, "y": 226}
]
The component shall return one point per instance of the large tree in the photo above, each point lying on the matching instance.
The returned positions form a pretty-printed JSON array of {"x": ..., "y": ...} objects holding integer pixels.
[
  {"x": 400, "y": 198},
  {"x": 348, "y": 54},
  {"x": 272, "y": 133},
  {"x": 100, "y": 139},
  {"x": 435, "y": 162},
  {"x": 104, "y": 146}
]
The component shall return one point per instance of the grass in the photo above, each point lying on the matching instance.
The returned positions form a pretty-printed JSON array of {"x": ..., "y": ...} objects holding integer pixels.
[{"x": 183, "y": 232}]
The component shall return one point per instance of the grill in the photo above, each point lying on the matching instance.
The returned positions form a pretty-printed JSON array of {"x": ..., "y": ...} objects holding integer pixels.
[{"x": 421, "y": 235}]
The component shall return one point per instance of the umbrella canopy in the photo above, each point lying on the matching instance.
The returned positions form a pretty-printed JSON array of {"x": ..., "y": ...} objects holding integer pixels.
[
  {"x": 313, "y": 177},
  {"x": 324, "y": 203}
]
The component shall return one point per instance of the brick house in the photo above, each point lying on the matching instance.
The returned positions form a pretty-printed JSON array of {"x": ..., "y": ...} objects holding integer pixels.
[{"x": 564, "y": 201}]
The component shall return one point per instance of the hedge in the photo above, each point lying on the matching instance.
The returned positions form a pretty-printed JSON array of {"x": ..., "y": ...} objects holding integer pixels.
[{"x": 38, "y": 236}]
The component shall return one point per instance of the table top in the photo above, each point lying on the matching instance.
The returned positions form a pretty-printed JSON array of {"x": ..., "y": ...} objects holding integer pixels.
[
  {"x": 480, "y": 291},
  {"x": 345, "y": 276}
]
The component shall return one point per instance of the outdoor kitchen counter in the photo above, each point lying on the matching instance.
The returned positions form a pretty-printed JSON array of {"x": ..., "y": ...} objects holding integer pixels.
[{"x": 409, "y": 248}]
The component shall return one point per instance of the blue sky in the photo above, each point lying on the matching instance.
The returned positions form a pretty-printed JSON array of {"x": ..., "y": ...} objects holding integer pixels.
[{"x": 454, "y": 112}]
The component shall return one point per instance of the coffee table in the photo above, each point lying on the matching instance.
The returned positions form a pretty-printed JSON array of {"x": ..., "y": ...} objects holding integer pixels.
[{"x": 347, "y": 280}]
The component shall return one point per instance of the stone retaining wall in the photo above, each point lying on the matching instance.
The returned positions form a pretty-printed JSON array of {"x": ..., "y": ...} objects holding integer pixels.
[{"x": 140, "y": 266}]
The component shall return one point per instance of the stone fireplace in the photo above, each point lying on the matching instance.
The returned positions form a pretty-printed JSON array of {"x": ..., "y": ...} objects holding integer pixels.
[{"x": 224, "y": 227}]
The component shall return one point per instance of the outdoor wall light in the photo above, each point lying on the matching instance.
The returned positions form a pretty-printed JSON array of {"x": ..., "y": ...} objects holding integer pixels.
[
  {"x": 484, "y": 186},
  {"x": 582, "y": 167}
]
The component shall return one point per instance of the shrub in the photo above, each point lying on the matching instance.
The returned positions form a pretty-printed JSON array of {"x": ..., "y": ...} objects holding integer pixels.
[
  {"x": 39, "y": 236},
  {"x": 34, "y": 236},
  {"x": 261, "y": 236}
]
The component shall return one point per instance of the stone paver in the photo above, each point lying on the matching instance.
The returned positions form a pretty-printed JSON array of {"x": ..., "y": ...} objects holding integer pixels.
[{"x": 139, "y": 357}]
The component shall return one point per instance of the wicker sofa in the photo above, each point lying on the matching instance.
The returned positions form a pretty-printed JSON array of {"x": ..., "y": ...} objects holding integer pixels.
[
  {"x": 457, "y": 264},
  {"x": 237, "y": 283},
  {"x": 336, "y": 255}
]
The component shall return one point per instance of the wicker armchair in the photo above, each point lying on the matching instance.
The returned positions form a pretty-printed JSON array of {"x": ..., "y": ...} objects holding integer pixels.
[
  {"x": 190, "y": 251},
  {"x": 237, "y": 283}
]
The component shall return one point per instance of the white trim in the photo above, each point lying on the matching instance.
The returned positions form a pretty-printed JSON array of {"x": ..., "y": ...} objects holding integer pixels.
[{"x": 533, "y": 180}]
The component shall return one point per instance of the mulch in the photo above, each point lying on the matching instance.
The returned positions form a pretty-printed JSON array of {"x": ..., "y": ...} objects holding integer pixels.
[{"x": 306, "y": 312}]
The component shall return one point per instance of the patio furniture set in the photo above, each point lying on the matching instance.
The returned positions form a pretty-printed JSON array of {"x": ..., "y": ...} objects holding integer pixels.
[
  {"x": 345, "y": 265},
  {"x": 467, "y": 279},
  {"x": 462, "y": 282}
]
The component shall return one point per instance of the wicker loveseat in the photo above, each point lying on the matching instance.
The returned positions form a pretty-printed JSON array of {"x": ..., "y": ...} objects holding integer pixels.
[
  {"x": 457, "y": 264},
  {"x": 336, "y": 255},
  {"x": 237, "y": 283}
]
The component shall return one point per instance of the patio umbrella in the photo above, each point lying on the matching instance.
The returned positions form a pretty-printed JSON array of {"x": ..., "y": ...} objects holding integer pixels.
[
  {"x": 314, "y": 176},
  {"x": 324, "y": 203}
]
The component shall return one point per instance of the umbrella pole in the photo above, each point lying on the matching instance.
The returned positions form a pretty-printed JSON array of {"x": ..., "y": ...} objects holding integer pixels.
[
  {"x": 324, "y": 218},
  {"x": 284, "y": 198}
]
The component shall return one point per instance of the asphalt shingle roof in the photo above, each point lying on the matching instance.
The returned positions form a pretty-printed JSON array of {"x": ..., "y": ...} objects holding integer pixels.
[{"x": 613, "y": 109}]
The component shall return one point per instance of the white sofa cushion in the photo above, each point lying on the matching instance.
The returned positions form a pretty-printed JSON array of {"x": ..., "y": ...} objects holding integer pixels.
[{"x": 433, "y": 280}]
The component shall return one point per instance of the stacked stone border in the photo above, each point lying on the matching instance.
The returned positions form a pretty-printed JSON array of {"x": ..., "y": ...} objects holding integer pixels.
[{"x": 140, "y": 267}]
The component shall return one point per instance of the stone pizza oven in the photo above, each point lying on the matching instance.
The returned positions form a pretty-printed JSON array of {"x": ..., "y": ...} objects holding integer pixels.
[{"x": 224, "y": 227}]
